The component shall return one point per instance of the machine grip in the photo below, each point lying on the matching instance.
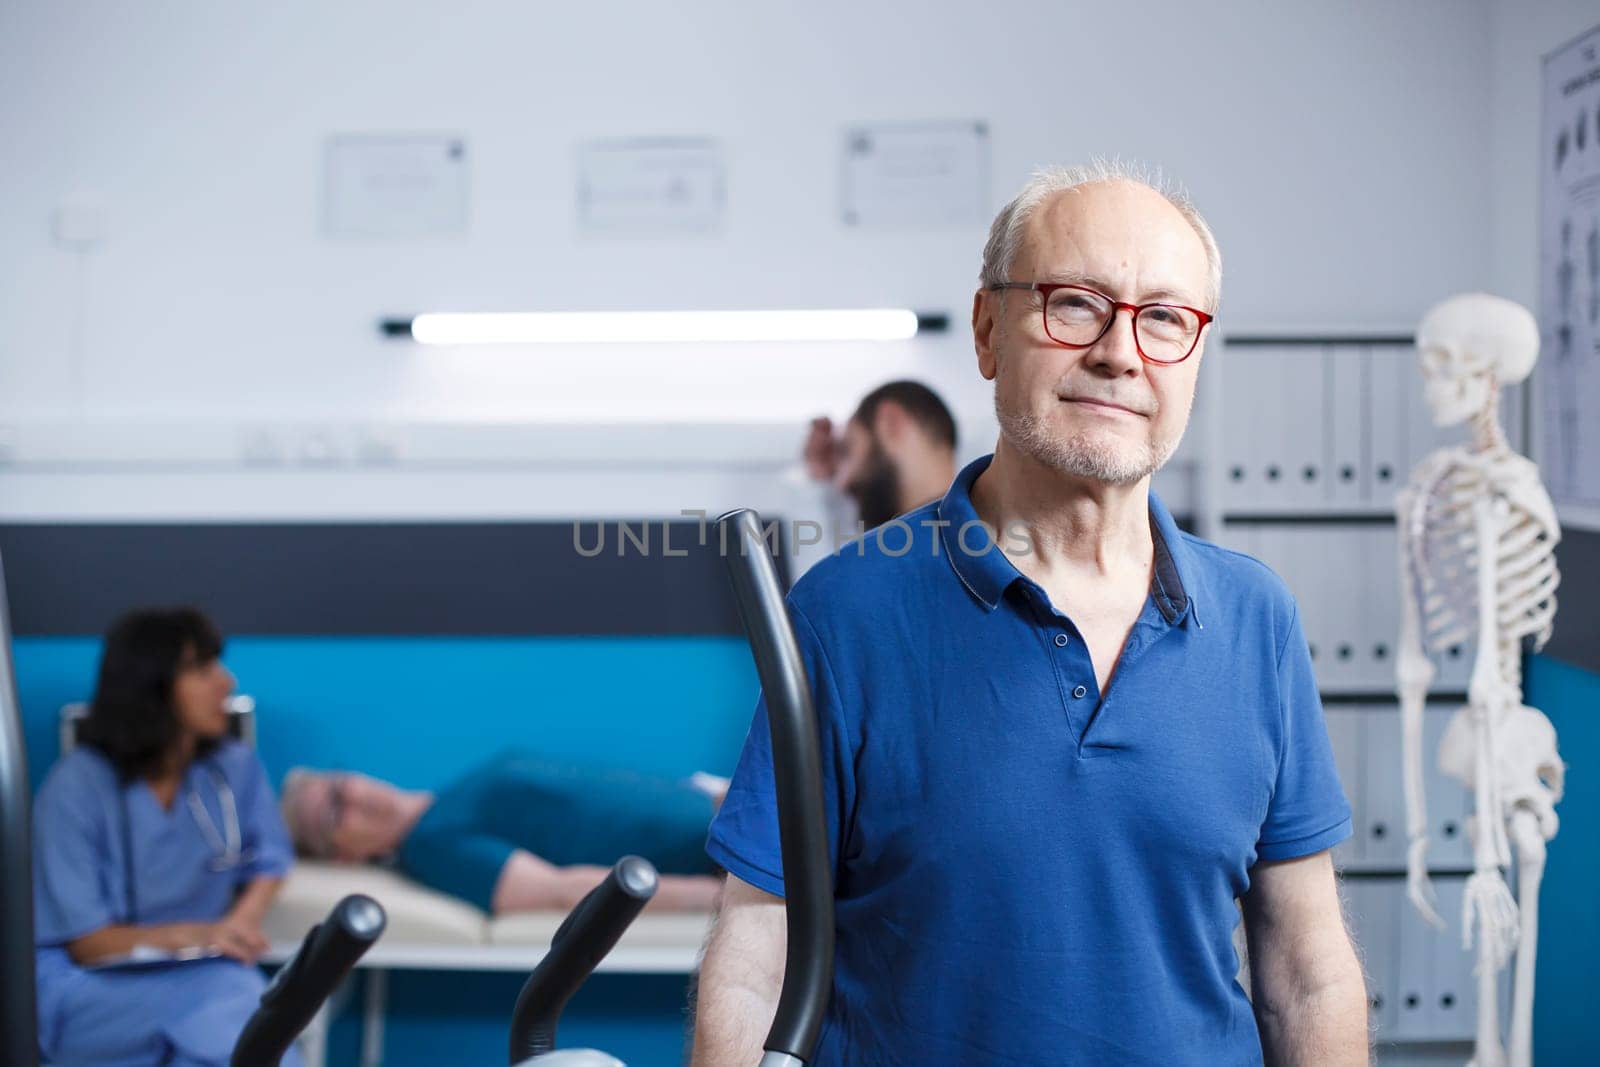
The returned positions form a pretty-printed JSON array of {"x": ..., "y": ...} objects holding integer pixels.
[
  {"x": 302, "y": 985},
  {"x": 18, "y": 1024},
  {"x": 591, "y": 930},
  {"x": 797, "y": 774}
]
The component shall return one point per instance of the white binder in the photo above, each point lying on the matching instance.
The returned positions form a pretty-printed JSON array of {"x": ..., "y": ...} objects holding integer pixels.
[
  {"x": 1302, "y": 427},
  {"x": 1347, "y": 737},
  {"x": 1345, "y": 418},
  {"x": 1374, "y": 921},
  {"x": 1387, "y": 411},
  {"x": 1414, "y": 1015},
  {"x": 1381, "y": 622},
  {"x": 1385, "y": 829},
  {"x": 1242, "y": 435},
  {"x": 1336, "y": 553},
  {"x": 1452, "y": 992}
]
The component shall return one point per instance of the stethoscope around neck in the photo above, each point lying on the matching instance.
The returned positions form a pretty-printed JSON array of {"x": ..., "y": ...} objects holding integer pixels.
[{"x": 226, "y": 842}]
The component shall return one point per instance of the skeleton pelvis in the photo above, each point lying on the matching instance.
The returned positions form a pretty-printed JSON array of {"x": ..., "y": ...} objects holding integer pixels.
[{"x": 1528, "y": 769}]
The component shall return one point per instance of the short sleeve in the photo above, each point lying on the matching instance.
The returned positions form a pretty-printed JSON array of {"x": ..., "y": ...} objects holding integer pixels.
[
  {"x": 743, "y": 837},
  {"x": 1308, "y": 811},
  {"x": 72, "y": 894},
  {"x": 264, "y": 837}
]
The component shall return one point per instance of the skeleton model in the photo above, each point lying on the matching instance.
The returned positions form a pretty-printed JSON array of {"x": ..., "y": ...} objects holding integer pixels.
[{"x": 1477, "y": 534}]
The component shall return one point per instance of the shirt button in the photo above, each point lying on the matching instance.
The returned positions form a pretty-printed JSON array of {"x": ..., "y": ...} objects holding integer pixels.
[
  {"x": 1079, "y": 692},
  {"x": 1061, "y": 640}
]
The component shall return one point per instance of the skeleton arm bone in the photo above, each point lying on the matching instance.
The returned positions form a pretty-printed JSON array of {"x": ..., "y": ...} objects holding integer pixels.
[
  {"x": 1486, "y": 895},
  {"x": 1414, "y": 673}
]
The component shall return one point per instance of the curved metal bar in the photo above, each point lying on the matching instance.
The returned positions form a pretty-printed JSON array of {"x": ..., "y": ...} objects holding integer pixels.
[{"x": 797, "y": 772}]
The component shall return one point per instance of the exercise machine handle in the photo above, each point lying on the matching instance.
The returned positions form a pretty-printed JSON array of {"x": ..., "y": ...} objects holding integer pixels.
[
  {"x": 303, "y": 985},
  {"x": 19, "y": 1041},
  {"x": 797, "y": 774},
  {"x": 591, "y": 930}
]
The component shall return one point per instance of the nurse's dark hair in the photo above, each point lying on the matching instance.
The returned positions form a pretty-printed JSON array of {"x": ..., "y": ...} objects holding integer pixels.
[{"x": 132, "y": 720}]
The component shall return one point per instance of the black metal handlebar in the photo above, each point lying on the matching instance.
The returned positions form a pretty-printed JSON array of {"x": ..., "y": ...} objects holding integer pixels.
[
  {"x": 797, "y": 774},
  {"x": 589, "y": 932},
  {"x": 302, "y": 985},
  {"x": 18, "y": 1025}
]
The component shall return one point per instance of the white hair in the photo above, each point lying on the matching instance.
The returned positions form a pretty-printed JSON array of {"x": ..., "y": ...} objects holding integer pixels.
[
  {"x": 306, "y": 840},
  {"x": 1006, "y": 233}
]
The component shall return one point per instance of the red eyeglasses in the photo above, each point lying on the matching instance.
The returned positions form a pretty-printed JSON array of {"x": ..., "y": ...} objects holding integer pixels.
[{"x": 1076, "y": 316}]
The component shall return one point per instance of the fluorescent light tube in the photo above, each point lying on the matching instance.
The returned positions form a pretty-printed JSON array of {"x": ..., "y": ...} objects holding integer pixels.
[{"x": 671, "y": 327}]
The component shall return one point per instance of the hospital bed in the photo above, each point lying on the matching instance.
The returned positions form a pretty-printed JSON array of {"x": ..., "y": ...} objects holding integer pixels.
[
  {"x": 432, "y": 931},
  {"x": 331, "y": 949},
  {"x": 426, "y": 930}
]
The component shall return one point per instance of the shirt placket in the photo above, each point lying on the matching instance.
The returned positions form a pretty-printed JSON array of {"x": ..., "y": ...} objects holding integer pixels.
[
  {"x": 1082, "y": 701},
  {"x": 1068, "y": 657}
]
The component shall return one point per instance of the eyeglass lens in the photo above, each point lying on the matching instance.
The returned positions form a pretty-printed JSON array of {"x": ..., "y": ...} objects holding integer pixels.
[{"x": 1077, "y": 317}]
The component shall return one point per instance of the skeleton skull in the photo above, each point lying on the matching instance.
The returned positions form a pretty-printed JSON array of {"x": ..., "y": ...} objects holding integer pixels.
[{"x": 1470, "y": 346}]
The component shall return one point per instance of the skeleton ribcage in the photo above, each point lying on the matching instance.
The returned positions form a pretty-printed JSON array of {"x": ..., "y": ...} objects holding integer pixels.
[{"x": 1448, "y": 570}]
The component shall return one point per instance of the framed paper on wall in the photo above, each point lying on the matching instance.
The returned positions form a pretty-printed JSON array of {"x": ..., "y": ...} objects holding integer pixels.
[{"x": 1567, "y": 378}]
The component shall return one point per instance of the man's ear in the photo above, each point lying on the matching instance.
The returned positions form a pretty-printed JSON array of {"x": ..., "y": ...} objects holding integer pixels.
[
  {"x": 985, "y": 310},
  {"x": 1200, "y": 342},
  {"x": 889, "y": 424}
]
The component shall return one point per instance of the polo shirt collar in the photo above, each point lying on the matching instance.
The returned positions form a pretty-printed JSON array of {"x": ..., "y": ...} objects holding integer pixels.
[
  {"x": 1174, "y": 575},
  {"x": 986, "y": 572}
]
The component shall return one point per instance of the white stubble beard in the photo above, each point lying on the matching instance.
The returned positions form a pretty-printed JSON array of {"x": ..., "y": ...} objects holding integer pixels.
[{"x": 1084, "y": 453}]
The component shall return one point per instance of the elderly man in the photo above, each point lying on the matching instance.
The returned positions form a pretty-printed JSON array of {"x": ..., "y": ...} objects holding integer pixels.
[
  {"x": 1054, "y": 761},
  {"x": 515, "y": 833}
]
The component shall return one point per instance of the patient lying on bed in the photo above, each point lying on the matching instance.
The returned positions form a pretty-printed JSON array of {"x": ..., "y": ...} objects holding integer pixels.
[{"x": 517, "y": 833}]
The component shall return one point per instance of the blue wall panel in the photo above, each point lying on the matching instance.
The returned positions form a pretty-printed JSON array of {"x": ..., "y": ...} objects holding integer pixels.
[
  {"x": 419, "y": 710},
  {"x": 1565, "y": 1029}
]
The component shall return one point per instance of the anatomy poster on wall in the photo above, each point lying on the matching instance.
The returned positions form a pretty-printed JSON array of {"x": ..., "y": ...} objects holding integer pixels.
[{"x": 1569, "y": 281}]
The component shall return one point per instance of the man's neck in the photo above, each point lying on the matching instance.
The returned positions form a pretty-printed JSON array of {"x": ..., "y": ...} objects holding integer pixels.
[
  {"x": 930, "y": 481},
  {"x": 1075, "y": 527}
]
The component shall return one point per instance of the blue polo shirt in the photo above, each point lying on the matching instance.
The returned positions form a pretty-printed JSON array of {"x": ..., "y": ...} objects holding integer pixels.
[{"x": 1028, "y": 870}]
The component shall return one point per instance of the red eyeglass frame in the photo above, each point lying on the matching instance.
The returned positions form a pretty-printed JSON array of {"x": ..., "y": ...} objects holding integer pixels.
[{"x": 1044, "y": 289}]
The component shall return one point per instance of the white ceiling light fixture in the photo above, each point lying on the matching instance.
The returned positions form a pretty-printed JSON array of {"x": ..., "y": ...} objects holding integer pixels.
[{"x": 664, "y": 327}]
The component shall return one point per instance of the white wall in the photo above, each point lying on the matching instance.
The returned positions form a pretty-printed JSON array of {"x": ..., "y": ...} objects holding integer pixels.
[{"x": 1338, "y": 151}]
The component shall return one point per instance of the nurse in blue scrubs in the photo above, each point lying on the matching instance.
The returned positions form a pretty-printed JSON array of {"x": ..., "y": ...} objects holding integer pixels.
[{"x": 158, "y": 835}]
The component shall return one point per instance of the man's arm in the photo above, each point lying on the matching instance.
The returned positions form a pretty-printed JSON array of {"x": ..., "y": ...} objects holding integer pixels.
[
  {"x": 529, "y": 883},
  {"x": 1309, "y": 994},
  {"x": 740, "y": 976}
]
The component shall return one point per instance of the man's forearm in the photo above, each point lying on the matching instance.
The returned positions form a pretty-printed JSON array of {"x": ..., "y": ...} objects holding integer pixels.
[
  {"x": 734, "y": 1007},
  {"x": 530, "y": 883},
  {"x": 725, "y": 1031},
  {"x": 1323, "y": 1026},
  {"x": 1309, "y": 995}
]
